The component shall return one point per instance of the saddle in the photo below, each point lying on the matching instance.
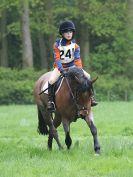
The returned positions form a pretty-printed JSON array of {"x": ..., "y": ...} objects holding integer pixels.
[{"x": 56, "y": 86}]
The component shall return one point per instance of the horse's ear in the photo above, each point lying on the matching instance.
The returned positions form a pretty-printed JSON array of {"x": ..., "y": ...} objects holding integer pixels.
[{"x": 94, "y": 80}]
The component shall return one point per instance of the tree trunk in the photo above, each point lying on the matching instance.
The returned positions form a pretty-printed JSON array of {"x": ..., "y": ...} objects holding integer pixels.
[
  {"x": 84, "y": 45},
  {"x": 51, "y": 37},
  {"x": 129, "y": 70},
  {"x": 42, "y": 46},
  {"x": 3, "y": 40},
  {"x": 130, "y": 14},
  {"x": 27, "y": 55}
]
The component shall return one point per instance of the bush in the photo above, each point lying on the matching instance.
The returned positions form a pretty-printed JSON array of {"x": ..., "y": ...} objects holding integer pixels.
[
  {"x": 17, "y": 85},
  {"x": 19, "y": 75},
  {"x": 112, "y": 89}
]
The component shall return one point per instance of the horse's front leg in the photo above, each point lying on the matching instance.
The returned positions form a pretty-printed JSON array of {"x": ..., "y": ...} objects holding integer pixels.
[
  {"x": 89, "y": 120},
  {"x": 66, "y": 126}
]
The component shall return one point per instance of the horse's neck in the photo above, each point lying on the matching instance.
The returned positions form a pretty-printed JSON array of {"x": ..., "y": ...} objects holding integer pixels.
[{"x": 71, "y": 85}]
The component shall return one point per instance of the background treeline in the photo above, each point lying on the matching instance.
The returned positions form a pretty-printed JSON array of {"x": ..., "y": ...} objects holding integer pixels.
[
  {"x": 17, "y": 87},
  {"x": 28, "y": 30}
]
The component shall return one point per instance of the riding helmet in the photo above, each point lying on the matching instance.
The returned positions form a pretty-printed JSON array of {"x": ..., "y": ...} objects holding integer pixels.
[{"x": 66, "y": 26}]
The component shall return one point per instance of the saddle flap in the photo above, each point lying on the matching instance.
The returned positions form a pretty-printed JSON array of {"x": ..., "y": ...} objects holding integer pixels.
[{"x": 57, "y": 86}]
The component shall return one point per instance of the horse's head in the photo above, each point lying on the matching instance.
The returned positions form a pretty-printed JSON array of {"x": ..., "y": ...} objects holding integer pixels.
[
  {"x": 78, "y": 80},
  {"x": 81, "y": 88}
]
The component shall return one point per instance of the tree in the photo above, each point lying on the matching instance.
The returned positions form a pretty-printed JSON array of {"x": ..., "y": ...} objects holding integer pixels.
[
  {"x": 129, "y": 63},
  {"x": 27, "y": 55},
  {"x": 130, "y": 14},
  {"x": 101, "y": 25},
  {"x": 42, "y": 46},
  {"x": 3, "y": 40}
]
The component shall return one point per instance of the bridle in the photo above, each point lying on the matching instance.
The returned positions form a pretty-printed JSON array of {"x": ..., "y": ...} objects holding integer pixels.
[{"x": 75, "y": 98}]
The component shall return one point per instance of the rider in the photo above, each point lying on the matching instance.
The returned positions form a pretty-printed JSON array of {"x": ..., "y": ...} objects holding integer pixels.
[{"x": 66, "y": 54}]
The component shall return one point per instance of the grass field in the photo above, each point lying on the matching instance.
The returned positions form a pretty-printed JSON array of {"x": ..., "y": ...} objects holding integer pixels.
[{"x": 23, "y": 153}]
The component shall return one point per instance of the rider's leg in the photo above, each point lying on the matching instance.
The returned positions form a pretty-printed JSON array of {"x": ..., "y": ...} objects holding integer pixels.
[
  {"x": 54, "y": 76},
  {"x": 93, "y": 101}
]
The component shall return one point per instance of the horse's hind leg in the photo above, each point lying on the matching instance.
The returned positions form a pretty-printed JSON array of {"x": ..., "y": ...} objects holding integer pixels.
[
  {"x": 50, "y": 141},
  {"x": 45, "y": 121},
  {"x": 42, "y": 127},
  {"x": 52, "y": 133},
  {"x": 56, "y": 122},
  {"x": 68, "y": 140},
  {"x": 93, "y": 129}
]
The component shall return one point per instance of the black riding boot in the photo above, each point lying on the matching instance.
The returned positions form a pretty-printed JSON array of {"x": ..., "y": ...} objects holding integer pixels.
[
  {"x": 51, "y": 105},
  {"x": 93, "y": 101}
]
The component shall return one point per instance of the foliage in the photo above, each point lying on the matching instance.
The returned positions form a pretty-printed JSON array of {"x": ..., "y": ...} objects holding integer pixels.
[
  {"x": 111, "y": 89},
  {"x": 17, "y": 85},
  {"x": 106, "y": 21},
  {"x": 110, "y": 39}
]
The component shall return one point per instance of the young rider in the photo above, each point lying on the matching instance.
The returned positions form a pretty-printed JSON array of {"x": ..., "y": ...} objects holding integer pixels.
[{"x": 66, "y": 54}]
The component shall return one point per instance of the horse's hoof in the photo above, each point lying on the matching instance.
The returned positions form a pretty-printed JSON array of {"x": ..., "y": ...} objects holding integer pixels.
[
  {"x": 97, "y": 153},
  {"x": 50, "y": 149}
]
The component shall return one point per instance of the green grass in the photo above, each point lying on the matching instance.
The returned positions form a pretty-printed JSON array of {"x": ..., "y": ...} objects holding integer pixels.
[{"x": 23, "y": 153}]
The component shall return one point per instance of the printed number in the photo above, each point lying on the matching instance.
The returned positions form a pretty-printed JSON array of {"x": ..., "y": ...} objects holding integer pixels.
[
  {"x": 68, "y": 53},
  {"x": 61, "y": 53}
]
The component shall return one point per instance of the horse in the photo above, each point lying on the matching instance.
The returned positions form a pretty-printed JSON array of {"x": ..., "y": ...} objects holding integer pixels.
[{"x": 73, "y": 101}]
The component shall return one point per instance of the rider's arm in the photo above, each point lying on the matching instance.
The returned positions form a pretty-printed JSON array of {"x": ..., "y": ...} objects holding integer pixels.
[
  {"x": 57, "y": 56},
  {"x": 77, "y": 59}
]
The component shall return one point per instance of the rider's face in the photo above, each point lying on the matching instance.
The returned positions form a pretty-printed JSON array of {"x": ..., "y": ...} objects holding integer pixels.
[{"x": 68, "y": 35}]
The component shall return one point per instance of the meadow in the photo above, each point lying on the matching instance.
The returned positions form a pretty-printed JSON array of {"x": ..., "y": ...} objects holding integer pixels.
[{"x": 23, "y": 152}]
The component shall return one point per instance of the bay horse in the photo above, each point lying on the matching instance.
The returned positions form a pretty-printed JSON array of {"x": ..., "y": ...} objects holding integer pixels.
[{"x": 72, "y": 101}]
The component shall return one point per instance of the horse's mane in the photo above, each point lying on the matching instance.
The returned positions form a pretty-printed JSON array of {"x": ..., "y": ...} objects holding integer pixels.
[{"x": 77, "y": 74}]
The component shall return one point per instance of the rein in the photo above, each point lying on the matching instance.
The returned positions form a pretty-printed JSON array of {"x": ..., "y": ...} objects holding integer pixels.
[{"x": 79, "y": 108}]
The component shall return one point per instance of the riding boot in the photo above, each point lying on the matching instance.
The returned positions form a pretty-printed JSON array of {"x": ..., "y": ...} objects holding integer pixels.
[
  {"x": 51, "y": 105},
  {"x": 93, "y": 101}
]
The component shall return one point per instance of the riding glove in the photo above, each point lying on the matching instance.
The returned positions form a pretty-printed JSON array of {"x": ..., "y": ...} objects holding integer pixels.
[{"x": 63, "y": 73}]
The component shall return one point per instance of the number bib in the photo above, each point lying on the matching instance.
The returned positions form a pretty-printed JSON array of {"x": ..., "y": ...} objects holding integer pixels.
[{"x": 67, "y": 53}]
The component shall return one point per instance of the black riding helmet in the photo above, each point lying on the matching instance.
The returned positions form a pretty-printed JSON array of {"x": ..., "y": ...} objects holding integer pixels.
[{"x": 66, "y": 26}]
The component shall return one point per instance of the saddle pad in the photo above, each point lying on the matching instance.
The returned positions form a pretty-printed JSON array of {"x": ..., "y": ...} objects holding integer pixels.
[{"x": 45, "y": 86}]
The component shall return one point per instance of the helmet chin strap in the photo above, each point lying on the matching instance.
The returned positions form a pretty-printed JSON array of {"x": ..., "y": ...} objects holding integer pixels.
[{"x": 67, "y": 39}]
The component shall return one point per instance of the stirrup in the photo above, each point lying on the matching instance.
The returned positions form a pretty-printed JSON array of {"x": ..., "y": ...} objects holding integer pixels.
[{"x": 51, "y": 106}]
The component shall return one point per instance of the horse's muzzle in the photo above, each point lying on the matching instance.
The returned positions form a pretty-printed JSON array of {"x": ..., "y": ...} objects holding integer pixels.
[{"x": 83, "y": 113}]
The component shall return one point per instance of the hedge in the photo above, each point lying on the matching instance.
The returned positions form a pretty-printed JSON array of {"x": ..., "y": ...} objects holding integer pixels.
[
  {"x": 114, "y": 89},
  {"x": 16, "y": 87}
]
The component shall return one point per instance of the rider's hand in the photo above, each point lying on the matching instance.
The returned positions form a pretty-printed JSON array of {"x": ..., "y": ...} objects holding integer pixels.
[{"x": 63, "y": 73}]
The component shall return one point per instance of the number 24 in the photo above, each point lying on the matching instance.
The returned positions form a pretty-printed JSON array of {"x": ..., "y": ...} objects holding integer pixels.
[{"x": 68, "y": 53}]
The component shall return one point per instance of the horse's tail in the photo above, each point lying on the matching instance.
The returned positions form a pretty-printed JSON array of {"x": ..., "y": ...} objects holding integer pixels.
[{"x": 42, "y": 127}]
